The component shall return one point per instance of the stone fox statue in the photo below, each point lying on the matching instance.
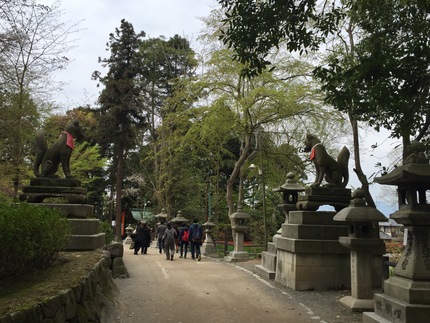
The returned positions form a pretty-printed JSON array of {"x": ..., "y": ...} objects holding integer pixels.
[
  {"x": 60, "y": 152},
  {"x": 334, "y": 172}
]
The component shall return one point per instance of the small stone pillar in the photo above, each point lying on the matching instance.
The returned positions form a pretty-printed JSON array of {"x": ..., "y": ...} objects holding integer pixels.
[
  {"x": 208, "y": 247},
  {"x": 239, "y": 227},
  {"x": 363, "y": 241},
  {"x": 406, "y": 296}
]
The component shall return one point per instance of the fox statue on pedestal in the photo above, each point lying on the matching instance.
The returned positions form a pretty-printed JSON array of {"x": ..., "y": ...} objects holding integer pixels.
[
  {"x": 334, "y": 172},
  {"x": 48, "y": 159}
]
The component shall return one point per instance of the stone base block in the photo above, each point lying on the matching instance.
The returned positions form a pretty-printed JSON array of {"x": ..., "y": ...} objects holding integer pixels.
[
  {"x": 314, "y": 232},
  {"x": 389, "y": 309},
  {"x": 86, "y": 242},
  {"x": 407, "y": 290},
  {"x": 237, "y": 256},
  {"x": 209, "y": 250},
  {"x": 310, "y": 246},
  {"x": 357, "y": 305},
  {"x": 370, "y": 317},
  {"x": 86, "y": 235},
  {"x": 313, "y": 271},
  {"x": 78, "y": 211},
  {"x": 85, "y": 226}
]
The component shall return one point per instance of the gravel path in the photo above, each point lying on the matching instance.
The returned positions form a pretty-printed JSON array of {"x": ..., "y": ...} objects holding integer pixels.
[{"x": 212, "y": 291}]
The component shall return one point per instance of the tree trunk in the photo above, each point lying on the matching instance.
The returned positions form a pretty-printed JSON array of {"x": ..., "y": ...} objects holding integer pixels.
[
  {"x": 358, "y": 170},
  {"x": 118, "y": 206}
]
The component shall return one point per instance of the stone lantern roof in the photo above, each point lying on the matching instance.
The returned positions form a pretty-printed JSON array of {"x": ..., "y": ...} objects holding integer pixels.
[
  {"x": 413, "y": 182},
  {"x": 162, "y": 214},
  {"x": 290, "y": 185},
  {"x": 357, "y": 211},
  {"x": 180, "y": 218}
]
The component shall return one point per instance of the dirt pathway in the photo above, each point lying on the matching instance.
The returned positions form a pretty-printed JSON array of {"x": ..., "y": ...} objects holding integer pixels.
[{"x": 212, "y": 291}]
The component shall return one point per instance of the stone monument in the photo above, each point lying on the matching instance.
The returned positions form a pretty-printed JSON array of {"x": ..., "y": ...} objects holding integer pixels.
[
  {"x": 309, "y": 255},
  {"x": 406, "y": 296},
  {"x": 86, "y": 233}
]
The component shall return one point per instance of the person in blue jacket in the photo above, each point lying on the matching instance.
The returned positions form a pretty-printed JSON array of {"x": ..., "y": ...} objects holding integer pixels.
[{"x": 195, "y": 236}]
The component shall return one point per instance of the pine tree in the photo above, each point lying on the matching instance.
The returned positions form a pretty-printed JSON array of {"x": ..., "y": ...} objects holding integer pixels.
[{"x": 121, "y": 112}]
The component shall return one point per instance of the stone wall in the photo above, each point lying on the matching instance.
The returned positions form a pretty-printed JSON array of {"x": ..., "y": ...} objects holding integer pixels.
[{"x": 93, "y": 300}]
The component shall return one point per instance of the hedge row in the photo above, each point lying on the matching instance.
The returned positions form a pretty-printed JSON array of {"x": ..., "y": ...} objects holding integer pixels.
[{"x": 30, "y": 238}]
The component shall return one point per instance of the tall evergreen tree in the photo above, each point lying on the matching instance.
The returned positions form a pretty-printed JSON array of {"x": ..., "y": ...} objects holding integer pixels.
[
  {"x": 164, "y": 64},
  {"x": 121, "y": 111}
]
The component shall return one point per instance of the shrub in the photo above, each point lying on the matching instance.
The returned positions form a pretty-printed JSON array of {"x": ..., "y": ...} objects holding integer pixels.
[
  {"x": 30, "y": 238},
  {"x": 107, "y": 229}
]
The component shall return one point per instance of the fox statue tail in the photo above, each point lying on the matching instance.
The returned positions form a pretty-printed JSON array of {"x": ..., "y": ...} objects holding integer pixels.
[
  {"x": 41, "y": 148},
  {"x": 342, "y": 160}
]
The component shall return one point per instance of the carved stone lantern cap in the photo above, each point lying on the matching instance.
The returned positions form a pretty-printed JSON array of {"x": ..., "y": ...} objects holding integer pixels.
[
  {"x": 162, "y": 214},
  {"x": 357, "y": 211},
  {"x": 290, "y": 185},
  {"x": 180, "y": 218},
  {"x": 416, "y": 173},
  {"x": 239, "y": 214}
]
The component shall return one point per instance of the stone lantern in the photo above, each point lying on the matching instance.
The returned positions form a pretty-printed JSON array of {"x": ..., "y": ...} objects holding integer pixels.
[
  {"x": 180, "y": 220},
  {"x": 239, "y": 227},
  {"x": 406, "y": 296},
  {"x": 128, "y": 231},
  {"x": 290, "y": 190},
  {"x": 162, "y": 216},
  {"x": 364, "y": 242},
  {"x": 208, "y": 247}
]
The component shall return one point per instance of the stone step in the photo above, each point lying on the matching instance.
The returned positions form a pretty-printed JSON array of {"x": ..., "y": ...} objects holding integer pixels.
[
  {"x": 264, "y": 272},
  {"x": 268, "y": 260}
]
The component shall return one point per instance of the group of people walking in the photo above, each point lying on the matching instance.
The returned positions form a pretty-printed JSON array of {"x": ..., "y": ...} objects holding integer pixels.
[{"x": 171, "y": 239}]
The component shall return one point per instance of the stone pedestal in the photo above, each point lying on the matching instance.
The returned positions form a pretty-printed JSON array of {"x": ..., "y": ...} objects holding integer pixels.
[
  {"x": 86, "y": 233},
  {"x": 309, "y": 255},
  {"x": 238, "y": 254},
  {"x": 318, "y": 196}
]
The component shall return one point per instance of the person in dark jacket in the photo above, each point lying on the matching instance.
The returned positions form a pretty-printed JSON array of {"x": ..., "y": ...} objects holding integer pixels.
[
  {"x": 160, "y": 233},
  {"x": 195, "y": 236},
  {"x": 138, "y": 240},
  {"x": 146, "y": 238}
]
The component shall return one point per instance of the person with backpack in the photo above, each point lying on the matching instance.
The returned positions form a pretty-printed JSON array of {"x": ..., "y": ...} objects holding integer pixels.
[
  {"x": 169, "y": 241},
  {"x": 195, "y": 236},
  {"x": 183, "y": 241}
]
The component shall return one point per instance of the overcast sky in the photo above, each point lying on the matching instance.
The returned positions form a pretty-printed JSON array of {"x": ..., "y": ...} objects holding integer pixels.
[{"x": 99, "y": 18}]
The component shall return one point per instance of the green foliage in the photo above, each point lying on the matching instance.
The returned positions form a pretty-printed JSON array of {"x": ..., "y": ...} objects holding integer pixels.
[
  {"x": 252, "y": 28},
  {"x": 30, "y": 238},
  {"x": 384, "y": 80},
  {"x": 106, "y": 228}
]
